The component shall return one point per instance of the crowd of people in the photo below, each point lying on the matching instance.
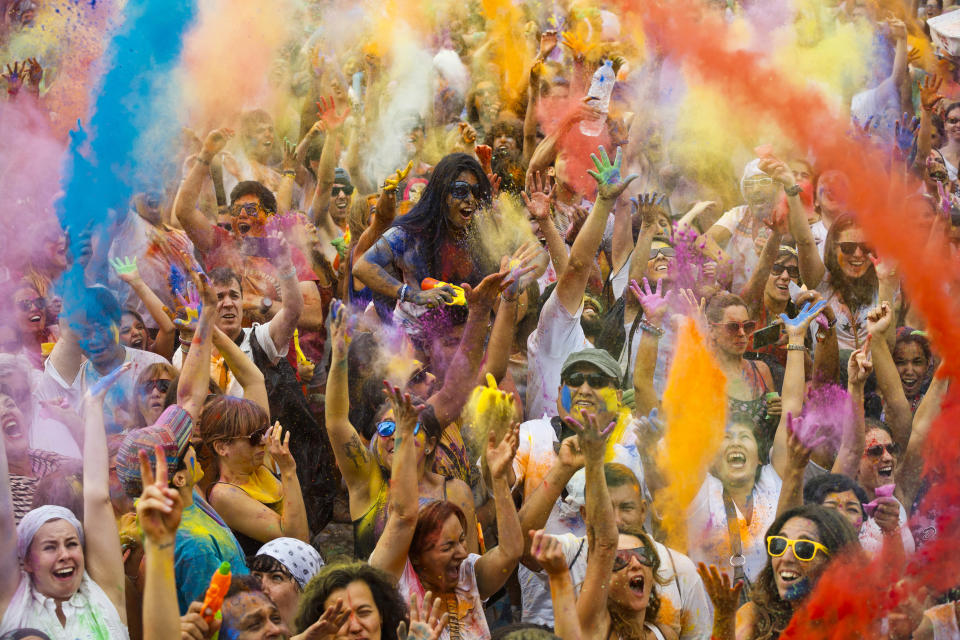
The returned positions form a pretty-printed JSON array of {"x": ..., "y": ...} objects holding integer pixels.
[{"x": 287, "y": 392}]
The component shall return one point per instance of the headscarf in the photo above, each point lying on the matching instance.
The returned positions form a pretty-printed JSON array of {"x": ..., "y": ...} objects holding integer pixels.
[
  {"x": 38, "y": 517},
  {"x": 299, "y": 558}
]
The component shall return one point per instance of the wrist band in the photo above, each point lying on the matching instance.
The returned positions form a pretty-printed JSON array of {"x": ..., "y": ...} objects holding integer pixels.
[
  {"x": 290, "y": 173},
  {"x": 649, "y": 328},
  {"x": 793, "y": 191},
  {"x": 202, "y": 161},
  {"x": 796, "y": 347},
  {"x": 403, "y": 292},
  {"x": 289, "y": 273}
]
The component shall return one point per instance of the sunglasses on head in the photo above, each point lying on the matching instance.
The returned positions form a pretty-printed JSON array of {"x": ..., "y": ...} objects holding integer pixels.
[
  {"x": 338, "y": 189},
  {"x": 644, "y": 556},
  {"x": 29, "y": 305},
  {"x": 849, "y": 248},
  {"x": 804, "y": 550},
  {"x": 460, "y": 190},
  {"x": 876, "y": 450},
  {"x": 255, "y": 438},
  {"x": 159, "y": 385},
  {"x": 595, "y": 380},
  {"x": 387, "y": 428},
  {"x": 757, "y": 181},
  {"x": 733, "y": 328},
  {"x": 667, "y": 252},
  {"x": 777, "y": 269}
]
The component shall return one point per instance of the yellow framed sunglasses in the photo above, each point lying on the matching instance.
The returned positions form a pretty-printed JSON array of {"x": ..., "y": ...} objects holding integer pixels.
[{"x": 804, "y": 550}]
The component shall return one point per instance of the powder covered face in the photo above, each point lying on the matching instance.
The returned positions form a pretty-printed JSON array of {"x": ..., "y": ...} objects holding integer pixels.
[
  {"x": 439, "y": 565},
  {"x": 251, "y": 615},
  {"x": 912, "y": 366},
  {"x": 739, "y": 456},
  {"x": 364, "y": 622},
  {"x": 630, "y": 587},
  {"x": 877, "y": 470},
  {"x": 848, "y": 505}
]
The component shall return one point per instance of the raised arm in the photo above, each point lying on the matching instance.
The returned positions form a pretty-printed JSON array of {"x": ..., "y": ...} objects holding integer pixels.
[
  {"x": 853, "y": 439},
  {"x": 333, "y": 126},
  {"x": 537, "y": 199},
  {"x": 497, "y": 564},
  {"x": 127, "y": 271},
  {"x": 158, "y": 513},
  {"x": 798, "y": 456},
  {"x": 549, "y": 553},
  {"x": 929, "y": 99},
  {"x": 811, "y": 266},
  {"x": 573, "y": 282},
  {"x": 103, "y": 554},
  {"x": 359, "y": 469},
  {"x": 66, "y": 357},
  {"x": 504, "y": 330},
  {"x": 247, "y": 373},
  {"x": 897, "y": 408},
  {"x": 601, "y": 526},
  {"x": 536, "y": 509},
  {"x": 752, "y": 292},
  {"x": 194, "y": 383},
  {"x": 794, "y": 382},
  {"x": 285, "y": 322},
  {"x": 648, "y": 205},
  {"x": 655, "y": 306},
  {"x": 384, "y": 215},
  {"x": 464, "y": 368},
  {"x": 9, "y": 563},
  {"x": 198, "y": 227},
  {"x": 393, "y": 547}
]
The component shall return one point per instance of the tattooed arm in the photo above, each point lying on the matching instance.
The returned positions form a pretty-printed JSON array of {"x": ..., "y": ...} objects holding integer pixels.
[{"x": 360, "y": 471}]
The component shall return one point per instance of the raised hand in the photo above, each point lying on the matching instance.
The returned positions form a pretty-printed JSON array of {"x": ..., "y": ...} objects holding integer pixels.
[
  {"x": 801, "y": 440},
  {"x": 537, "y": 197},
  {"x": 328, "y": 626},
  {"x": 578, "y": 215},
  {"x": 905, "y": 131},
  {"x": 778, "y": 170},
  {"x": 34, "y": 74},
  {"x": 405, "y": 412},
  {"x": 649, "y": 206},
  {"x": 327, "y": 113},
  {"x": 216, "y": 140},
  {"x": 99, "y": 390},
  {"x": 548, "y": 552},
  {"x": 339, "y": 329},
  {"x": 885, "y": 269},
  {"x": 160, "y": 506},
  {"x": 649, "y": 428},
  {"x": 653, "y": 302},
  {"x": 468, "y": 135},
  {"x": 590, "y": 437},
  {"x": 484, "y": 295},
  {"x": 14, "y": 77},
  {"x": 192, "y": 306},
  {"x": 569, "y": 453},
  {"x": 426, "y": 620},
  {"x": 863, "y": 130},
  {"x": 797, "y": 327},
  {"x": 390, "y": 184},
  {"x": 548, "y": 42},
  {"x": 879, "y": 319},
  {"x": 289, "y": 162},
  {"x": 500, "y": 456},
  {"x": 485, "y": 156},
  {"x": 278, "y": 446},
  {"x": 724, "y": 595},
  {"x": 193, "y": 626},
  {"x": 930, "y": 92},
  {"x": 579, "y": 47},
  {"x": 126, "y": 269},
  {"x": 609, "y": 182},
  {"x": 860, "y": 364}
]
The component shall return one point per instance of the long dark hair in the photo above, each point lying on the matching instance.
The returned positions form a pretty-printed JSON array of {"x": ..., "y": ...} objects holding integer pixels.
[
  {"x": 428, "y": 218},
  {"x": 331, "y": 578},
  {"x": 836, "y": 534},
  {"x": 618, "y": 621},
  {"x": 854, "y": 293}
]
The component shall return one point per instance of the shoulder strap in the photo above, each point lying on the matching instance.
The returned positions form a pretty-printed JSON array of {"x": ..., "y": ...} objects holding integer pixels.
[
  {"x": 676, "y": 578},
  {"x": 579, "y": 551},
  {"x": 737, "y": 561},
  {"x": 628, "y": 376}
]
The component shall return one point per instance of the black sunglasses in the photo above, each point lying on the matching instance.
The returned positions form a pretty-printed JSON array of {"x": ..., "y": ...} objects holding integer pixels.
[
  {"x": 338, "y": 189},
  {"x": 777, "y": 269},
  {"x": 161, "y": 385},
  {"x": 668, "y": 252},
  {"x": 877, "y": 450},
  {"x": 460, "y": 190},
  {"x": 29, "y": 305},
  {"x": 595, "y": 380},
  {"x": 849, "y": 248},
  {"x": 225, "y": 225},
  {"x": 733, "y": 328},
  {"x": 644, "y": 556}
]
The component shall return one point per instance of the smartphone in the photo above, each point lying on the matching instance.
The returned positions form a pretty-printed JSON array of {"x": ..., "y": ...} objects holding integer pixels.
[
  {"x": 260, "y": 246},
  {"x": 766, "y": 336}
]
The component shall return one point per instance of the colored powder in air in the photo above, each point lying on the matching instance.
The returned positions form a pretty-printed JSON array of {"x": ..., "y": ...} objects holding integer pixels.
[
  {"x": 508, "y": 51},
  {"x": 827, "y": 413},
  {"x": 695, "y": 425}
]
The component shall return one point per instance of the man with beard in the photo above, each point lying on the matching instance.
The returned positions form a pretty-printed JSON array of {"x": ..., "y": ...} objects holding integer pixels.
[{"x": 560, "y": 331}]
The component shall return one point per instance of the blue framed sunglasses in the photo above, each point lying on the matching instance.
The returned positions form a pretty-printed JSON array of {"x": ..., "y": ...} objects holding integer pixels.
[{"x": 386, "y": 428}]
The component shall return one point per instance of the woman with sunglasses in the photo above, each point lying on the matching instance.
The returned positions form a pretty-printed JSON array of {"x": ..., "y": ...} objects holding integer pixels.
[
  {"x": 367, "y": 469},
  {"x": 433, "y": 240},
  {"x": 30, "y": 320},
  {"x": 951, "y": 147},
  {"x": 800, "y": 545},
  {"x": 256, "y": 504},
  {"x": 150, "y": 398}
]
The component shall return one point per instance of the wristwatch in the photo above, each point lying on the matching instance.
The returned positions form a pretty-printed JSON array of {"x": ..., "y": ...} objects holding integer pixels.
[
  {"x": 793, "y": 191},
  {"x": 265, "y": 303}
]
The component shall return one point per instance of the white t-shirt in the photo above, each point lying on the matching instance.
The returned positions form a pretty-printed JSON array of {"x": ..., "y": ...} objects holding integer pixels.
[
  {"x": 851, "y": 331},
  {"x": 116, "y": 404},
  {"x": 871, "y": 537},
  {"x": 471, "y": 618},
  {"x": 680, "y": 586},
  {"x": 558, "y": 334},
  {"x": 89, "y": 613},
  {"x": 260, "y": 332},
  {"x": 708, "y": 539},
  {"x": 943, "y": 618},
  {"x": 741, "y": 248}
]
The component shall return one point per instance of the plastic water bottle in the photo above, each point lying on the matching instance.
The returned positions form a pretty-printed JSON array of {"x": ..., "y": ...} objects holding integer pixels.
[{"x": 600, "y": 90}]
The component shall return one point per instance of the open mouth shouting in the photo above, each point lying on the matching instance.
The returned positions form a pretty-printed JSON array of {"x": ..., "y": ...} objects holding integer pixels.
[
  {"x": 11, "y": 427},
  {"x": 64, "y": 574},
  {"x": 636, "y": 585},
  {"x": 885, "y": 471},
  {"x": 736, "y": 459}
]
